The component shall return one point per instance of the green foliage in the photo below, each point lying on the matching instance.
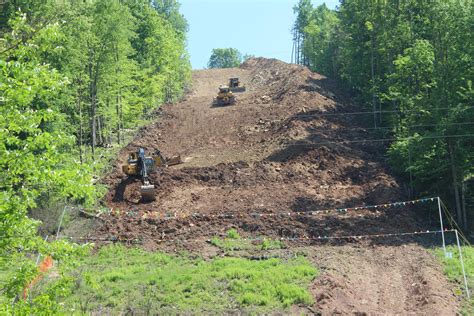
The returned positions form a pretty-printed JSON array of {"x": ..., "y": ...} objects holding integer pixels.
[
  {"x": 159, "y": 283},
  {"x": 412, "y": 78},
  {"x": 233, "y": 234},
  {"x": 224, "y": 58},
  {"x": 413, "y": 59},
  {"x": 268, "y": 244},
  {"x": 74, "y": 75},
  {"x": 44, "y": 295},
  {"x": 235, "y": 242},
  {"x": 319, "y": 40},
  {"x": 35, "y": 148},
  {"x": 453, "y": 269}
]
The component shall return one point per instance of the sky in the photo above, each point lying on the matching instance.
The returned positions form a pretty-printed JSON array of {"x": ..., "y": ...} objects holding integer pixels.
[{"x": 257, "y": 27}]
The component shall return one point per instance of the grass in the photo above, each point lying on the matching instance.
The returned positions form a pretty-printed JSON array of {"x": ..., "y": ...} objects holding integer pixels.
[
  {"x": 6, "y": 271},
  {"x": 453, "y": 270},
  {"x": 234, "y": 241},
  {"x": 117, "y": 280}
]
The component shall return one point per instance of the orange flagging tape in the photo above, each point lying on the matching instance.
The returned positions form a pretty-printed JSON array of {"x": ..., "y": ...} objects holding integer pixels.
[{"x": 44, "y": 267}]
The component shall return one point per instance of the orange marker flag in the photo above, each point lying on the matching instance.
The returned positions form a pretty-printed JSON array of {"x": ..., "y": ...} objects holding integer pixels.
[{"x": 44, "y": 266}]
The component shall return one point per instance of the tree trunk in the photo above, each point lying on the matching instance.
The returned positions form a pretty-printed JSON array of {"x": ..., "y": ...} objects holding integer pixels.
[
  {"x": 81, "y": 128},
  {"x": 121, "y": 118},
  {"x": 409, "y": 167},
  {"x": 459, "y": 214},
  {"x": 298, "y": 49},
  {"x": 118, "y": 117},
  {"x": 372, "y": 74},
  {"x": 464, "y": 211},
  {"x": 92, "y": 108},
  {"x": 293, "y": 48},
  {"x": 99, "y": 130}
]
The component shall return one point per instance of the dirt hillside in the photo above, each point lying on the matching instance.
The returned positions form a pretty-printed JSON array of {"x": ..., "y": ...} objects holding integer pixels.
[{"x": 277, "y": 151}]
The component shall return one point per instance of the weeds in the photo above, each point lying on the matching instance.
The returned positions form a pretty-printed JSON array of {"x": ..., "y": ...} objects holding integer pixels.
[
  {"x": 453, "y": 270},
  {"x": 118, "y": 279},
  {"x": 234, "y": 241},
  {"x": 233, "y": 234}
]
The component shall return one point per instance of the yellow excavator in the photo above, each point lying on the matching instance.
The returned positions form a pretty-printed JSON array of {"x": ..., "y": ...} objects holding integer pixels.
[
  {"x": 141, "y": 166},
  {"x": 235, "y": 85}
]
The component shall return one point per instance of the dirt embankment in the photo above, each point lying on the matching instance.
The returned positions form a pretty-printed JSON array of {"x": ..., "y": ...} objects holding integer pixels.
[{"x": 278, "y": 151}]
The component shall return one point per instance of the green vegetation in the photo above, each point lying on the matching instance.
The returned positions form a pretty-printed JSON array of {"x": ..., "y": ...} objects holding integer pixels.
[
  {"x": 77, "y": 78},
  {"x": 224, "y": 58},
  {"x": 234, "y": 241},
  {"x": 452, "y": 268},
  {"x": 233, "y": 233},
  {"x": 410, "y": 62},
  {"x": 117, "y": 279}
]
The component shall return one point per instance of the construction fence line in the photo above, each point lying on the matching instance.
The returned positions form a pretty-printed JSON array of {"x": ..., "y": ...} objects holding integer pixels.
[
  {"x": 303, "y": 238},
  {"x": 309, "y": 143},
  {"x": 363, "y": 129},
  {"x": 374, "y": 112},
  {"x": 164, "y": 216}
]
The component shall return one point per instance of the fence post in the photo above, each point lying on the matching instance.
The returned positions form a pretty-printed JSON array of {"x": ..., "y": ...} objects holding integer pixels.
[
  {"x": 442, "y": 226},
  {"x": 462, "y": 264},
  {"x": 61, "y": 221}
]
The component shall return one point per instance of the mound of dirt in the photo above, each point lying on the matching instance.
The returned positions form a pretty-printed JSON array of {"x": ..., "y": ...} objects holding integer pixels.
[
  {"x": 247, "y": 166},
  {"x": 255, "y": 157}
]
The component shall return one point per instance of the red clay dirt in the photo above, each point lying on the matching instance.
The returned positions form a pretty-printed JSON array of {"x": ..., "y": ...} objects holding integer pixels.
[{"x": 274, "y": 152}]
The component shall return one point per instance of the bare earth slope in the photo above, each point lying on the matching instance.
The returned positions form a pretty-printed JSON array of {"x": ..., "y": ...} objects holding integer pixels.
[{"x": 249, "y": 159}]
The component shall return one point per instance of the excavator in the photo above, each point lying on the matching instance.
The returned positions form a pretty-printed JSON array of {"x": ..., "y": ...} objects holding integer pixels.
[
  {"x": 141, "y": 166},
  {"x": 226, "y": 96},
  {"x": 235, "y": 86}
]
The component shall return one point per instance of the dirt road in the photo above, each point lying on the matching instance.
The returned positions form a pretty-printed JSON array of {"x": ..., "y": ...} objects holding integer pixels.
[{"x": 277, "y": 151}]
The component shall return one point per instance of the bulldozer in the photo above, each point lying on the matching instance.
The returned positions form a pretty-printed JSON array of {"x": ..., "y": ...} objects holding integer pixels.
[
  {"x": 235, "y": 86},
  {"x": 224, "y": 97},
  {"x": 141, "y": 166}
]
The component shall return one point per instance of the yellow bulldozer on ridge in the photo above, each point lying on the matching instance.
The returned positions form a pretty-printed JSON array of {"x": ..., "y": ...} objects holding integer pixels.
[{"x": 226, "y": 96}]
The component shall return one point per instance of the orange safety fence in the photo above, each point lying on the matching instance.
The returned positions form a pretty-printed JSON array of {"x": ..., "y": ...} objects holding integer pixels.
[{"x": 44, "y": 267}]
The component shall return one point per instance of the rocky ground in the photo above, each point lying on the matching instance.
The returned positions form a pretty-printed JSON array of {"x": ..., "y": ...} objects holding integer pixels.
[{"x": 285, "y": 147}]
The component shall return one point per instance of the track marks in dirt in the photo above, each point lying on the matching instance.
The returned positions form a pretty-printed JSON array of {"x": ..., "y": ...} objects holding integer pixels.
[
  {"x": 239, "y": 160},
  {"x": 381, "y": 280}
]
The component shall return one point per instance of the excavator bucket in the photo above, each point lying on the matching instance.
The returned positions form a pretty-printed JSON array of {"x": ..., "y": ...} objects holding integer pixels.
[
  {"x": 175, "y": 160},
  {"x": 148, "y": 192}
]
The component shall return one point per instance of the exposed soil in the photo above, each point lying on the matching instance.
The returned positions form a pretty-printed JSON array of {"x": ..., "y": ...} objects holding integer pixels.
[{"x": 273, "y": 153}]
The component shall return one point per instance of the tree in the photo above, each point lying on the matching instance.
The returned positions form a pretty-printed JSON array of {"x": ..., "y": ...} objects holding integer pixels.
[
  {"x": 33, "y": 141},
  {"x": 303, "y": 12},
  {"x": 413, "y": 59},
  {"x": 224, "y": 58},
  {"x": 320, "y": 45},
  {"x": 74, "y": 75}
]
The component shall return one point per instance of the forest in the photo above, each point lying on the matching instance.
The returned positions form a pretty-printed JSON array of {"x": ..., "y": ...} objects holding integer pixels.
[
  {"x": 77, "y": 78},
  {"x": 410, "y": 63},
  {"x": 313, "y": 192}
]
